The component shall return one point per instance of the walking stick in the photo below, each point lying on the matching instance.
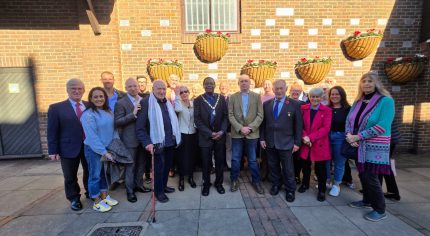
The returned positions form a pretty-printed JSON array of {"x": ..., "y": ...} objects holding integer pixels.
[{"x": 153, "y": 188}]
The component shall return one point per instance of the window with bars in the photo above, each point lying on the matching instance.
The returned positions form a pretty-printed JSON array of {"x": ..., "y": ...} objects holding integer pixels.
[{"x": 217, "y": 15}]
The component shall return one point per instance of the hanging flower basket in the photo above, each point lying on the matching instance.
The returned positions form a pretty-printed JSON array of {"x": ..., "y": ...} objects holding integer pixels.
[
  {"x": 314, "y": 70},
  {"x": 210, "y": 46},
  {"x": 404, "y": 69},
  {"x": 159, "y": 69},
  {"x": 259, "y": 71},
  {"x": 362, "y": 44}
]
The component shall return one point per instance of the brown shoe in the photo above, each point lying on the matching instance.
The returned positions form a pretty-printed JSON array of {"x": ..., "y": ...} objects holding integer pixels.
[
  {"x": 258, "y": 188},
  {"x": 234, "y": 186}
]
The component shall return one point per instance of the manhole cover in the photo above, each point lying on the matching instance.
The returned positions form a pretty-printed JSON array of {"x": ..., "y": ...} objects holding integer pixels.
[{"x": 117, "y": 231}]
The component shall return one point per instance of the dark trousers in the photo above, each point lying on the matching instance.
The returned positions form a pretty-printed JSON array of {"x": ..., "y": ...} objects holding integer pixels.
[
  {"x": 162, "y": 164},
  {"x": 372, "y": 191},
  {"x": 297, "y": 165},
  {"x": 187, "y": 154},
  {"x": 281, "y": 168},
  {"x": 320, "y": 171},
  {"x": 134, "y": 171},
  {"x": 347, "y": 177},
  {"x": 218, "y": 149},
  {"x": 147, "y": 163},
  {"x": 390, "y": 180},
  {"x": 70, "y": 168}
]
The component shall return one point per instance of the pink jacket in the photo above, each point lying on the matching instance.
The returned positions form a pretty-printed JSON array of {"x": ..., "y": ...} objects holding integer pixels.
[{"x": 318, "y": 133}]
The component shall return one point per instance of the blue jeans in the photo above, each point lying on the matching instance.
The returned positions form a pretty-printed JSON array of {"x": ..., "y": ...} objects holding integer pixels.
[
  {"x": 97, "y": 179},
  {"x": 237, "y": 145},
  {"x": 336, "y": 140}
]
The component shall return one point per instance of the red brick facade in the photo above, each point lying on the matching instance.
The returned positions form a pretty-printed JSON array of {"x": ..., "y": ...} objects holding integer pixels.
[{"x": 58, "y": 40}]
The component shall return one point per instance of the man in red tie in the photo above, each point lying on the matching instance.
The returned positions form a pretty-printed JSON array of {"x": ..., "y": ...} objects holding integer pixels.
[{"x": 65, "y": 140}]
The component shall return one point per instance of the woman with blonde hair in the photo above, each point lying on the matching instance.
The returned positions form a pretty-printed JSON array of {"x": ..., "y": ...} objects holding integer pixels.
[{"x": 368, "y": 128}]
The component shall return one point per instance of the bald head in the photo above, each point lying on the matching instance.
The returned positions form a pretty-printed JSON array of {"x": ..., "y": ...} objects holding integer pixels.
[
  {"x": 132, "y": 87},
  {"x": 159, "y": 89}
]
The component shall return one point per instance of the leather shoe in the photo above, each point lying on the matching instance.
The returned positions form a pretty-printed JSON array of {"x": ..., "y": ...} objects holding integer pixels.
[
  {"x": 258, "y": 188},
  {"x": 234, "y": 186},
  {"x": 169, "y": 189},
  {"x": 131, "y": 197},
  {"x": 205, "y": 190},
  {"x": 321, "y": 196},
  {"x": 290, "y": 197},
  {"x": 274, "y": 190},
  {"x": 162, "y": 198},
  {"x": 303, "y": 188},
  {"x": 181, "y": 184},
  {"x": 76, "y": 205},
  {"x": 220, "y": 189},
  {"x": 142, "y": 189},
  {"x": 191, "y": 182},
  {"x": 392, "y": 196}
]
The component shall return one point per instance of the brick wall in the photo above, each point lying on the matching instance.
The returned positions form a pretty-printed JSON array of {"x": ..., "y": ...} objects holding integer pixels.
[{"x": 61, "y": 44}]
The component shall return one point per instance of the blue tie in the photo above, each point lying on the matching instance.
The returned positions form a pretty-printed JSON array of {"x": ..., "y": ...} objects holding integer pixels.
[{"x": 276, "y": 109}]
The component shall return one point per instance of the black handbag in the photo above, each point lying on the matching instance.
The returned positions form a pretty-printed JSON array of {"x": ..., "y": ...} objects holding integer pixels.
[{"x": 349, "y": 151}]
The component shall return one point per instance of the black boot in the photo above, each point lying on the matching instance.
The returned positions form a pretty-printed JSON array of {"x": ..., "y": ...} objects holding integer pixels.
[
  {"x": 191, "y": 182},
  {"x": 181, "y": 183}
]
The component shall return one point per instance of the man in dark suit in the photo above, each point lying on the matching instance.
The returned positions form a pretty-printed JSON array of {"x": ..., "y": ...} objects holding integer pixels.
[
  {"x": 157, "y": 130},
  {"x": 65, "y": 140},
  {"x": 210, "y": 117},
  {"x": 125, "y": 120},
  {"x": 281, "y": 133}
]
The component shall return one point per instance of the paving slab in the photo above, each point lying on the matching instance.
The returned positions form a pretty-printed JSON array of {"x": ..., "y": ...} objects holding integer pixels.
[
  {"x": 225, "y": 222},
  {"x": 16, "y": 182},
  {"x": 421, "y": 171},
  {"x": 308, "y": 198},
  {"x": 44, "y": 168},
  {"x": 346, "y": 196},
  {"x": 408, "y": 196},
  {"x": 45, "y": 182},
  {"x": 419, "y": 187},
  {"x": 186, "y": 200},
  {"x": 177, "y": 222},
  {"x": 325, "y": 220},
  {"x": 125, "y": 206},
  {"x": 17, "y": 200},
  {"x": 222, "y": 201},
  {"x": 54, "y": 205},
  {"x": 119, "y": 217},
  {"x": 82, "y": 224},
  {"x": 409, "y": 210},
  {"x": 38, "y": 225},
  {"x": 390, "y": 226}
]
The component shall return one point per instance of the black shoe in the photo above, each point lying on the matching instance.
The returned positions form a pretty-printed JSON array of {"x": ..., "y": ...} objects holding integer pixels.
[
  {"x": 169, "y": 190},
  {"x": 162, "y": 198},
  {"x": 274, "y": 190},
  {"x": 205, "y": 190},
  {"x": 258, "y": 188},
  {"x": 220, "y": 189},
  {"x": 142, "y": 189},
  {"x": 131, "y": 197},
  {"x": 392, "y": 196},
  {"x": 191, "y": 182},
  {"x": 290, "y": 197},
  {"x": 76, "y": 205},
  {"x": 303, "y": 188},
  {"x": 87, "y": 195},
  {"x": 321, "y": 196},
  {"x": 298, "y": 181},
  {"x": 181, "y": 184}
]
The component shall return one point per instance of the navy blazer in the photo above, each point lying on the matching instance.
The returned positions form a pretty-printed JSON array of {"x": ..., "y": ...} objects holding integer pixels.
[{"x": 64, "y": 130}]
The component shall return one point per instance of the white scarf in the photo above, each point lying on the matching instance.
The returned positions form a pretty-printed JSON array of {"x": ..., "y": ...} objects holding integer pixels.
[{"x": 156, "y": 122}]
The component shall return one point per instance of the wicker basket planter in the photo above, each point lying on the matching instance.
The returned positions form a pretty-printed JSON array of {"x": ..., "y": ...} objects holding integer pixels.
[
  {"x": 211, "y": 49},
  {"x": 159, "y": 69},
  {"x": 313, "y": 71},
  {"x": 259, "y": 71},
  {"x": 402, "y": 73},
  {"x": 363, "y": 47}
]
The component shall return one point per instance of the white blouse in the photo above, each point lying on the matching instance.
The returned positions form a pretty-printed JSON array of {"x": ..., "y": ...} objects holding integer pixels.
[{"x": 185, "y": 117}]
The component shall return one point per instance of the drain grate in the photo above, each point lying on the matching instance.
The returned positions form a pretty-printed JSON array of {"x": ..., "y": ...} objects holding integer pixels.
[{"x": 118, "y": 231}]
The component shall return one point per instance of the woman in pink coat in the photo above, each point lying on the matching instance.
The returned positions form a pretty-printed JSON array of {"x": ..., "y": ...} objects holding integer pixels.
[{"x": 316, "y": 144}]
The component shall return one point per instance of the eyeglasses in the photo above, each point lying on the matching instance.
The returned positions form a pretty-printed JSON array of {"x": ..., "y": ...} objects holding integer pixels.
[{"x": 182, "y": 92}]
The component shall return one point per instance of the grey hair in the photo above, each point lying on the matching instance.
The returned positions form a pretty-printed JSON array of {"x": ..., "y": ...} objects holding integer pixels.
[
  {"x": 74, "y": 81},
  {"x": 316, "y": 92}
]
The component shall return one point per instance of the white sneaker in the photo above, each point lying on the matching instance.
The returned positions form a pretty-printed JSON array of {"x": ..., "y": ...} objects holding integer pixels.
[
  {"x": 110, "y": 201},
  {"x": 102, "y": 206},
  {"x": 335, "y": 190}
]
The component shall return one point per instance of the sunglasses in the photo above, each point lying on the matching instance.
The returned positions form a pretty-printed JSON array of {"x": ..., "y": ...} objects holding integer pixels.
[{"x": 182, "y": 92}]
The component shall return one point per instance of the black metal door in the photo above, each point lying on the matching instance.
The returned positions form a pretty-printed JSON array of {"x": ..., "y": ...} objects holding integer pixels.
[{"x": 19, "y": 125}]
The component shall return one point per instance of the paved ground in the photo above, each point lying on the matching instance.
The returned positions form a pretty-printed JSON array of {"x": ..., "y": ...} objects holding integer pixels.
[{"x": 32, "y": 202}]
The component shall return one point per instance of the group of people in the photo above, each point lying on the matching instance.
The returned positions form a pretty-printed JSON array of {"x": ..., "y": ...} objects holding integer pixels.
[{"x": 289, "y": 133}]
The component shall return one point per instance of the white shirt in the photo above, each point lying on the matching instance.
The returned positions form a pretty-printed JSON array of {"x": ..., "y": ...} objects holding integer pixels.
[
  {"x": 82, "y": 106},
  {"x": 185, "y": 117},
  {"x": 133, "y": 100}
]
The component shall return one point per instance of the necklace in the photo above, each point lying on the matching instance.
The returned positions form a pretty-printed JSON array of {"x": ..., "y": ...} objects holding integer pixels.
[{"x": 212, "y": 107}]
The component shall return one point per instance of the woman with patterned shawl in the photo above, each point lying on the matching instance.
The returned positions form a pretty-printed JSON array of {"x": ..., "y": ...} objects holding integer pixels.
[{"x": 368, "y": 127}]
